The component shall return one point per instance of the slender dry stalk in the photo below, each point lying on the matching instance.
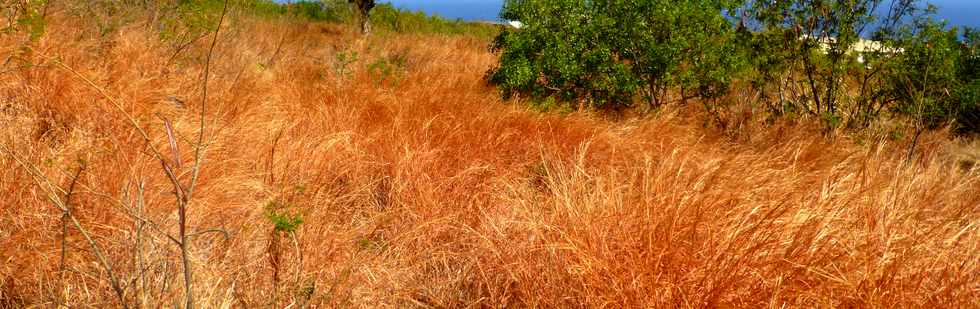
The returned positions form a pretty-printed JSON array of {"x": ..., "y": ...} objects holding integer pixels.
[
  {"x": 64, "y": 223},
  {"x": 52, "y": 191},
  {"x": 196, "y": 169},
  {"x": 142, "y": 298}
]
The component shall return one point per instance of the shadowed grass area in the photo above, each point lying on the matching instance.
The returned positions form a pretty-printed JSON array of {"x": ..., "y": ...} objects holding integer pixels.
[{"x": 416, "y": 186}]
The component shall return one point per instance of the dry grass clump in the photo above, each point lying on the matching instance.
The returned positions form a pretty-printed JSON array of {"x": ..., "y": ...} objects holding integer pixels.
[{"x": 418, "y": 187}]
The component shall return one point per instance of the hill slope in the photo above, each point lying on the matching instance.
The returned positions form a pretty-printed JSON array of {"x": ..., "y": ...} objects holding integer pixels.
[{"x": 418, "y": 187}]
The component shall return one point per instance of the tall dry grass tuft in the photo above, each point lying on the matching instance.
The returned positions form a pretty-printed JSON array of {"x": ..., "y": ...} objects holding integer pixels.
[{"x": 418, "y": 187}]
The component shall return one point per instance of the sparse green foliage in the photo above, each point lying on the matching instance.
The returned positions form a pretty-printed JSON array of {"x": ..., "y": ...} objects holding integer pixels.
[
  {"x": 387, "y": 69},
  {"x": 24, "y": 16},
  {"x": 310, "y": 10},
  {"x": 26, "y": 20},
  {"x": 389, "y": 18},
  {"x": 343, "y": 61},
  {"x": 818, "y": 41},
  {"x": 907, "y": 66},
  {"x": 924, "y": 76},
  {"x": 768, "y": 69},
  {"x": 967, "y": 94},
  {"x": 186, "y": 21},
  {"x": 33, "y": 19}
]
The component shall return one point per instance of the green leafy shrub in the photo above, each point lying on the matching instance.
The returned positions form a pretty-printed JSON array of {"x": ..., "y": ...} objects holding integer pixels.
[
  {"x": 605, "y": 53},
  {"x": 924, "y": 79},
  {"x": 845, "y": 63},
  {"x": 188, "y": 20},
  {"x": 768, "y": 63},
  {"x": 967, "y": 95},
  {"x": 819, "y": 47},
  {"x": 314, "y": 11}
]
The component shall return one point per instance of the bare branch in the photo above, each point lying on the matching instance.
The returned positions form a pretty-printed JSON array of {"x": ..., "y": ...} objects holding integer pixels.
[
  {"x": 223, "y": 232},
  {"x": 64, "y": 221},
  {"x": 62, "y": 205},
  {"x": 198, "y": 160}
]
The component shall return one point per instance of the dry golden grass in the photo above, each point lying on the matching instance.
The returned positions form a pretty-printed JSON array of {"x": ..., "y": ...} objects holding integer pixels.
[{"x": 428, "y": 191}]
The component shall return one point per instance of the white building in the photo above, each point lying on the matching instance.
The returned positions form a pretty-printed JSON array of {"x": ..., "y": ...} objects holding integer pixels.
[{"x": 861, "y": 47}]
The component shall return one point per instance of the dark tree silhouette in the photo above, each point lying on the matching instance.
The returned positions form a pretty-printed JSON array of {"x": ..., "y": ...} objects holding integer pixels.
[{"x": 363, "y": 10}]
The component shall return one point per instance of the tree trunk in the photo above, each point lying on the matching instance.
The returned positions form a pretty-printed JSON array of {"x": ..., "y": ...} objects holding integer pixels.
[
  {"x": 365, "y": 25},
  {"x": 364, "y": 14},
  {"x": 915, "y": 142}
]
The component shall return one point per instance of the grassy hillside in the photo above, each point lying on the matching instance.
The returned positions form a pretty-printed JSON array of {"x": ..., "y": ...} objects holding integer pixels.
[{"x": 416, "y": 186}]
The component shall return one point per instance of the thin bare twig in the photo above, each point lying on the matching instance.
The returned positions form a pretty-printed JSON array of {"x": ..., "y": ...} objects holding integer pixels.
[
  {"x": 141, "y": 299},
  {"x": 299, "y": 257},
  {"x": 64, "y": 223},
  {"x": 136, "y": 216},
  {"x": 183, "y": 46},
  {"x": 198, "y": 160},
  {"x": 215, "y": 230},
  {"x": 198, "y": 153},
  {"x": 52, "y": 194}
]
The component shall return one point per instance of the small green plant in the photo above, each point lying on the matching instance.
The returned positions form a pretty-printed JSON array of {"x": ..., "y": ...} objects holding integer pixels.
[
  {"x": 550, "y": 104},
  {"x": 33, "y": 20},
  {"x": 831, "y": 120},
  {"x": 281, "y": 220},
  {"x": 284, "y": 223},
  {"x": 367, "y": 244},
  {"x": 386, "y": 69},
  {"x": 342, "y": 63},
  {"x": 895, "y": 135},
  {"x": 27, "y": 17}
]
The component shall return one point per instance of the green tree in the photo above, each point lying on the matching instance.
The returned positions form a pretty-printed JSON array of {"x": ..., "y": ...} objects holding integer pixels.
[
  {"x": 935, "y": 80},
  {"x": 769, "y": 60},
  {"x": 820, "y": 36},
  {"x": 967, "y": 94},
  {"x": 607, "y": 52}
]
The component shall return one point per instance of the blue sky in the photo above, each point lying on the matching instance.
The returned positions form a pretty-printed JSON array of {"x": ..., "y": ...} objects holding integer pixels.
[
  {"x": 958, "y": 12},
  {"x": 465, "y": 9}
]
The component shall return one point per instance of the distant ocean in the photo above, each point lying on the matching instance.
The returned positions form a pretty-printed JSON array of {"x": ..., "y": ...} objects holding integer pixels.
[{"x": 957, "y": 12}]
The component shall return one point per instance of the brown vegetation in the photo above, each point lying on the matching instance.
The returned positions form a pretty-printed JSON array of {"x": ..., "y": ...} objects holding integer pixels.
[{"x": 424, "y": 189}]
